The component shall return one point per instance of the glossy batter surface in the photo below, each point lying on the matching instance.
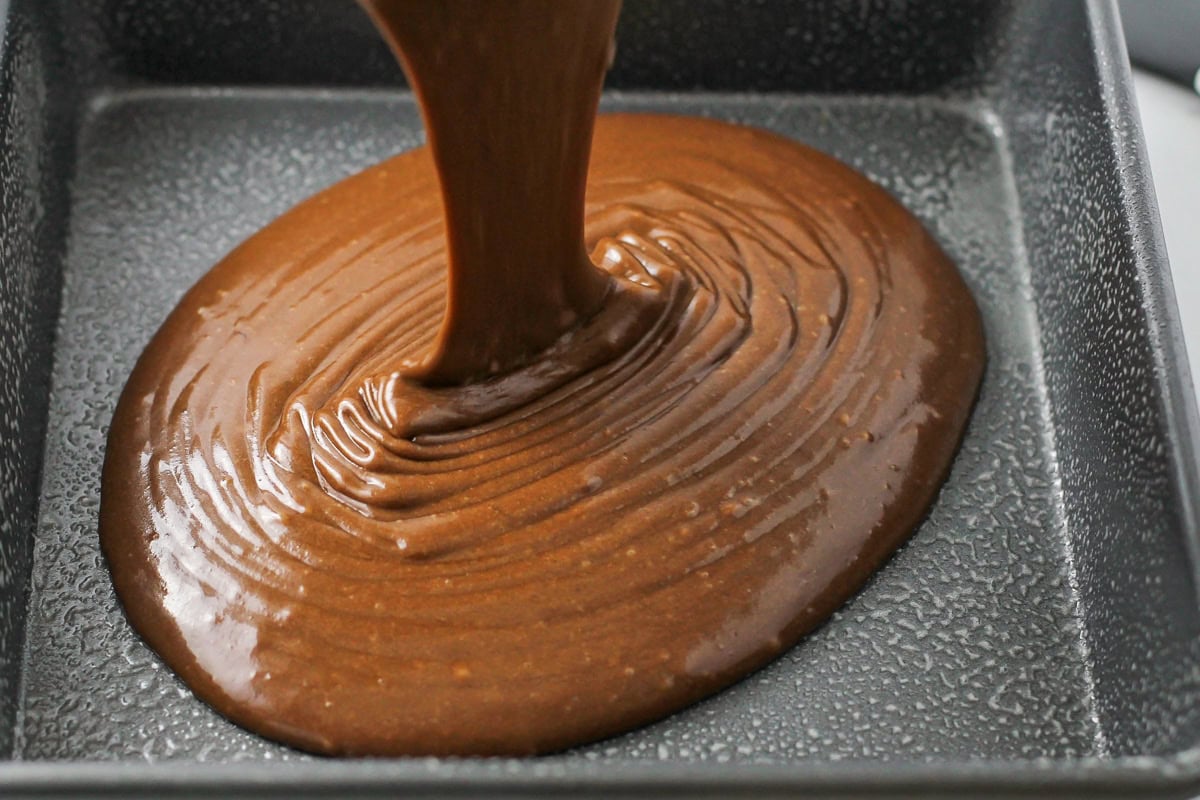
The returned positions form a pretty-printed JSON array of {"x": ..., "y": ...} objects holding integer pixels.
[{"x": 339, "y": 544}]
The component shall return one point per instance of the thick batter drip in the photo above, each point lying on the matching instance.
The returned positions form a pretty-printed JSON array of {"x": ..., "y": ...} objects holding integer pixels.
[{"x": 577, "y": 495}]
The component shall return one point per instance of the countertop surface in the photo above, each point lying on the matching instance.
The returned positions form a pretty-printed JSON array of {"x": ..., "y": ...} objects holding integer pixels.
[{"x": 1171, "y": 120}]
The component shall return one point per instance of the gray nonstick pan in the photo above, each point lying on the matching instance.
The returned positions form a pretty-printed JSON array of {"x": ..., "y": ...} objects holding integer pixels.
[{"x": 1040, "y": 633}]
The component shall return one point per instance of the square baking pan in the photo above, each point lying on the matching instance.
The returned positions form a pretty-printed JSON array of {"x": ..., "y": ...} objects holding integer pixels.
[{"x": 1040, "y": 633}]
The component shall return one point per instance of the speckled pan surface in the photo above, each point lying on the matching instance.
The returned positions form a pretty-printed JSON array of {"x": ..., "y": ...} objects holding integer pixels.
[{"x": 1042, "y": 625}]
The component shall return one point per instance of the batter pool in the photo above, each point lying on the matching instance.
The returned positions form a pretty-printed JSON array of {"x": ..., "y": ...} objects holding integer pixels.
[{"x": 453, "y": 458}]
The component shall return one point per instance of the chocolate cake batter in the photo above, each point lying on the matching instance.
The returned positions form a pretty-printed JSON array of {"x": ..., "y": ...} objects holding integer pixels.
[{"x": 447, "y": 460}]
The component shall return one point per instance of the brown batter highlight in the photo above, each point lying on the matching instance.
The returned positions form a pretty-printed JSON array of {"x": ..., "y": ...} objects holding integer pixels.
[{"x": 363, "y": 513}]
